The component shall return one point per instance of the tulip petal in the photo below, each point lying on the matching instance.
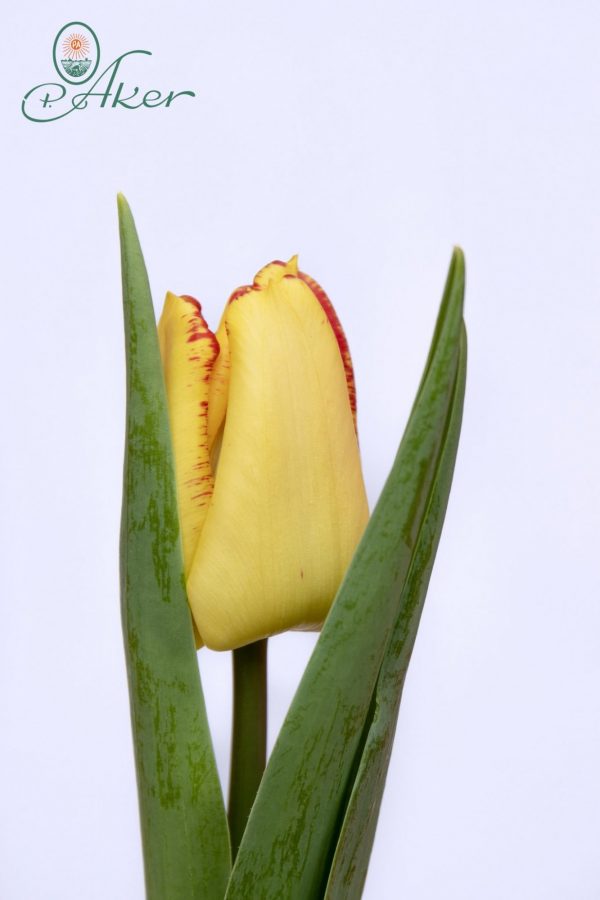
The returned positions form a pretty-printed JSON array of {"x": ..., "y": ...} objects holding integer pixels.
[
  {"x": 289, "y": 503},
  {"x": 340, "y": 337},
  {"x": 188, "y": 349},
  {"x": 277, "y": 270}
]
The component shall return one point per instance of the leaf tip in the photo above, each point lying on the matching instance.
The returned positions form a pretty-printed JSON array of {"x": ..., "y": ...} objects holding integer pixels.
[
  {"x": 123, "y": 208},
  {"x": 457, "y": 262}
]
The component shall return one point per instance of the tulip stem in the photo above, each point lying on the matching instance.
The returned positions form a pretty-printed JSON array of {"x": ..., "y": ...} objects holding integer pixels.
[{"x": 249, "y": 735}]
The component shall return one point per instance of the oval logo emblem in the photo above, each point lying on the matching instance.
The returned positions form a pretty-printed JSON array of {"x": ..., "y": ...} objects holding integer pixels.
[{"x": 76, "y": 53}]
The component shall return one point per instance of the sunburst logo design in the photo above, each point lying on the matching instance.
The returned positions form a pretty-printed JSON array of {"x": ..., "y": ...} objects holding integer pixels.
[
  {"x": 75, "y": 49},
  {"x": 75, "y": 46}
]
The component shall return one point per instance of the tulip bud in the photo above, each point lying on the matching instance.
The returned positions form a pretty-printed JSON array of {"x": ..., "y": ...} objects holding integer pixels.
[{"x": 271, "y": 496}]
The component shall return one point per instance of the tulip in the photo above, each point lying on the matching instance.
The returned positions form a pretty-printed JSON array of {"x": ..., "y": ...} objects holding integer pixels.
[{"x": 270, "y": 491}]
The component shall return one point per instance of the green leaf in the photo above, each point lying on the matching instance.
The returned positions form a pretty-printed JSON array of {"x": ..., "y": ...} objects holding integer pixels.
[
  {"x": 292, "y": 832},
  {"x": 355, "y": 841},
  {"x": 184, "y": 826}
]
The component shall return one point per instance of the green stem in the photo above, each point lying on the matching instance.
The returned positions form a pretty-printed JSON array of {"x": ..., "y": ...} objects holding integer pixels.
[{"x": 249, "y": 735}]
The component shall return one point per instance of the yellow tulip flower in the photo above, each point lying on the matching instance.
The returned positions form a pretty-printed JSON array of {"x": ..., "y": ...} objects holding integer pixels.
[{"x": 270, "y": 491}]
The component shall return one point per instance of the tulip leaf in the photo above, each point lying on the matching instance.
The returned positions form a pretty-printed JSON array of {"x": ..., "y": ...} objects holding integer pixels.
[
  {"x": 354, "y": 843},
  {"x": 299, "y": 813},
  {"x": 184, "y": 826}
]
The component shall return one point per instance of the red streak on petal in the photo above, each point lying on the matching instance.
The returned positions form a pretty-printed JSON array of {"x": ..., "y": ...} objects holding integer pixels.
[
  {"x": 193, "y": 301},
  {"x": 255, "y": 286},
  {"x": 198, "y": 329},
  {"x": 203, "y": 494},
  {"x": 240, "y": 292},
  {"x": 276, "y": 262},
  {"x": 338, "y": 331}
]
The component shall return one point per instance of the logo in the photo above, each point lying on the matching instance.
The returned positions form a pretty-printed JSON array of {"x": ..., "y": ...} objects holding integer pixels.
[
  {"x": 76, "y": 58},
  {"x": 76, "y": 53}
]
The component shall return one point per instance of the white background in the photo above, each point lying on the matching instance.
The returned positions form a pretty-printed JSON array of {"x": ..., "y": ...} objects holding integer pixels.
[{"x": 369, "y": 138}]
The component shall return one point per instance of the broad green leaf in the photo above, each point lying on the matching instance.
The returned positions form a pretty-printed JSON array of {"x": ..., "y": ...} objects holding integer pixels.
[
  {"x": 184, "y": 826},
  {"x": 354, "y": 843},
  {"x": 293, "y": 828}
]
